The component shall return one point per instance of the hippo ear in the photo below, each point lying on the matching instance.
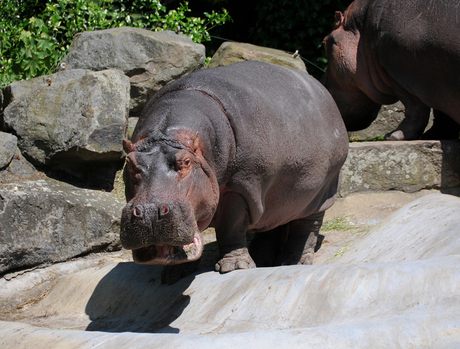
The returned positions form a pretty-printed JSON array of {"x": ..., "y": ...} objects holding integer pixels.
[
  {"x": 338, "y": 19},
  {"x": 128, "y": 147}
]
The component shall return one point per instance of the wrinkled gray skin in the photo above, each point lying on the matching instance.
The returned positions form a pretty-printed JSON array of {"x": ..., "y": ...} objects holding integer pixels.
[
  {"x": 251, "y": 147},
  {"x": 383, "y": 51}
]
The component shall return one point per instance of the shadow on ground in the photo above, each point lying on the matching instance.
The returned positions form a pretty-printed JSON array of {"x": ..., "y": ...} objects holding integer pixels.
[{"x": 131, "y": 298}]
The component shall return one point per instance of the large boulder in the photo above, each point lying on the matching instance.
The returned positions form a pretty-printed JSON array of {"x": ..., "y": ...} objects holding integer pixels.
[
  {"x": 72, "y": 121},
  {"x": 18, "y": 89},
  {"x": 46, "y": 221},
  {"x": 407, "y": 166},
  {"x": 150, "y": 59},
  {"x": 232, "y": 52}
]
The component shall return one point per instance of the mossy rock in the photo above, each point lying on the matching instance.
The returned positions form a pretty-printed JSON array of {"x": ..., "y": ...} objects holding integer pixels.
[{"x": 233, "y": 52}]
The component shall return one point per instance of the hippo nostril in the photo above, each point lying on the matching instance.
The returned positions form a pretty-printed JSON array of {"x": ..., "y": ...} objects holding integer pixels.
[
  {"x": 163, "y": 210},
  {"x": 137, "y": 212}
]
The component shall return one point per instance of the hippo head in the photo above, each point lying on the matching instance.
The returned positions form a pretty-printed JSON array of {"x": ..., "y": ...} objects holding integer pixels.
[
  {"x": 344, "y": 79},
  {"x": 172, "y": 195}
]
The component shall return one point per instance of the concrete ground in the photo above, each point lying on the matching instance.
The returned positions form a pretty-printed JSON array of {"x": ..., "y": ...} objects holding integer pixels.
[{"x": 395, "y": 285}]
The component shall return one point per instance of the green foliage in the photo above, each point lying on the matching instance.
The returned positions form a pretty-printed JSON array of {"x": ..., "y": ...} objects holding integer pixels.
[
  {"x": 195, "y": 27},
  {"x": 36, "y": 35}
]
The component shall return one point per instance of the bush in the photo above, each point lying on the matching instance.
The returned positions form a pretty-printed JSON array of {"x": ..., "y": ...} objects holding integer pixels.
[{"x": 35, "y": 36}]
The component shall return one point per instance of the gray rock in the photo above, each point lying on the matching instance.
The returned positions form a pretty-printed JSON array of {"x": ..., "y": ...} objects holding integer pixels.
[
  {"x": 150, "y": 59},
  {"x": 19, "y": 169},
  {"x": 388, "y": 119},
  {"x": 45, "y": 221},
  {"x": 13, "y": 166},
  {"x": 18, "y": 89},
  {"x": 407, "y": 166},
  {"x": 8, "y": 144},
  {"x": 82, "y": 115},
  {"x": 75, "y": 123},
  {"x": 232, "y": 52}
]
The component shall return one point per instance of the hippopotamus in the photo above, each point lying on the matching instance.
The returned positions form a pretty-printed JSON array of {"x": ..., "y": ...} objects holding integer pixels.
[
  {"x": 247, "y": 148},
  {"x": 382, "y": 51}
]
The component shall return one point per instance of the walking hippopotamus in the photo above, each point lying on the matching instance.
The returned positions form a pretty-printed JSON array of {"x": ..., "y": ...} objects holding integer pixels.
[
  {"x": 382, "y": 51},
  {"x": 250, "y": 147}
]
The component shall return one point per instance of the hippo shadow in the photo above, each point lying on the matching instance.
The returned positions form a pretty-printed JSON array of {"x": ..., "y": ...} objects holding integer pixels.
[{"x": 131, "y": 298}]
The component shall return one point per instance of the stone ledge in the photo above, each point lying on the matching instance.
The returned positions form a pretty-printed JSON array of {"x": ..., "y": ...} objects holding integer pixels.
[{"x": 408, "y": 166}]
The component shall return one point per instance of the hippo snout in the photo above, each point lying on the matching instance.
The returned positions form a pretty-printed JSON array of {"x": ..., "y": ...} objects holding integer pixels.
[
  {"x": 145, "y": 224},
  {"x": 164, "y": 233},
  {"x": 137, "y": 225}
]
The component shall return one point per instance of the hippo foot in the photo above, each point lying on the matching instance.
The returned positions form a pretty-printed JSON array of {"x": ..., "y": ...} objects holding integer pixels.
[
  {"x": 173, "y": 273},
  {"x": 397, "y": 135},
  {"x": 236, "y": 259}
]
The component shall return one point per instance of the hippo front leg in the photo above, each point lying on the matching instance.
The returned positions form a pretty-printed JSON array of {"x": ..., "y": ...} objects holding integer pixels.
[
  {"x": 415, "y": 121},
  {"x": 233, "y": 220},
  {"x": 301, "y": 241}
]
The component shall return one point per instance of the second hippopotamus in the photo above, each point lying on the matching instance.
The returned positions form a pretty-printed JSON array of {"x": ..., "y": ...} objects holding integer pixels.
[
  {"x": 250, "y": 147},
  {"x": 382, "y": 51}
]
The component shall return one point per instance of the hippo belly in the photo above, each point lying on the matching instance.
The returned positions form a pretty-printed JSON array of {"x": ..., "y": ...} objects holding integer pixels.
[{"x": 251, "y": 147}]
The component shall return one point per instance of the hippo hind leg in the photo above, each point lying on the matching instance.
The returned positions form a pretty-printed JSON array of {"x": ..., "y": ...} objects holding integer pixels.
[
  {"x": 266, "y": 247},
  {"x": 301, "y": 241}
]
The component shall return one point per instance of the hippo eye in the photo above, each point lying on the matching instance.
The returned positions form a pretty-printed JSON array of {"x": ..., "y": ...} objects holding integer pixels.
[{"x": 183, "y": 164}]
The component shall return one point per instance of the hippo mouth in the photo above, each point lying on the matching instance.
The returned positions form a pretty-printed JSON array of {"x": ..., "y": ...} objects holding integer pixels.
[{"x": 169, "y": 254}]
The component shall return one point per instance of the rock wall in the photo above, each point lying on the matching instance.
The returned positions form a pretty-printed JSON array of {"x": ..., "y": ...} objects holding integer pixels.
[{"x": 70, "y": 126}]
